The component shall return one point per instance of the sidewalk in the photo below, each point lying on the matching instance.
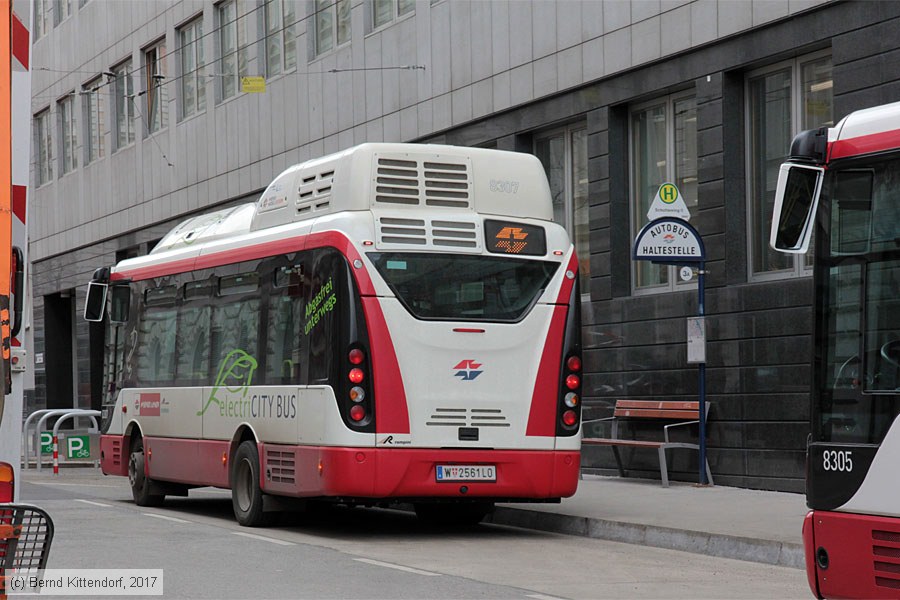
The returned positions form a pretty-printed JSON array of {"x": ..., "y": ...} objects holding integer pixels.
[{"x": 719, "y": 521}]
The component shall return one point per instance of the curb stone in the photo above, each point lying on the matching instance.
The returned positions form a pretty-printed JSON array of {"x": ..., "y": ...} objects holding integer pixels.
[{"x": 698, "y": 542}]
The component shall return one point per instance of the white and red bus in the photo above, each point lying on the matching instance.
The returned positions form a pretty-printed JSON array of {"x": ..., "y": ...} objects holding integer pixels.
[
  {"x": 841, "y": 187},
  {"x": 394, "y": 322}
]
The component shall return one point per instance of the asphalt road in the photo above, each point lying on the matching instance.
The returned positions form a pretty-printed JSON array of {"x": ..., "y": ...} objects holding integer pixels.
[{"x": 365, "y": 553}]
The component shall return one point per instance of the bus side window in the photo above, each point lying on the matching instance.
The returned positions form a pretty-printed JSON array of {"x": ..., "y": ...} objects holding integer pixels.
[
  {"x": 285, "y": 342},
  {"x": 323, "y": 303},
  {"x": 234, "y": 331},
  {"x": 194, "y": 332},
  {"x": 156, "y": 337}
]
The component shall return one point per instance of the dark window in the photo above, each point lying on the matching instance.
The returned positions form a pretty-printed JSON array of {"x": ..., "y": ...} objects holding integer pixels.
[{"x": 464, "y": 288}]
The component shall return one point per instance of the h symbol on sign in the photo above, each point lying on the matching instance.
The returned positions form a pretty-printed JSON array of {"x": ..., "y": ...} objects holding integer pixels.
[{"x": 667, "y": 193}]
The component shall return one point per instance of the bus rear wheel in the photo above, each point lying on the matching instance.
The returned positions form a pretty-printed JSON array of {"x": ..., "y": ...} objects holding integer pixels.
[
  {"x": 140, "y": 483},
  {"x": 246, "y": 495}
]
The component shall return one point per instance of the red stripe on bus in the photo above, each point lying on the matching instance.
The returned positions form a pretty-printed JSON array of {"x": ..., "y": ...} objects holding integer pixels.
[
  {"x": 19, "y": 194},
  {"x": 262, "y": 250},
  {"x": 342, "y": 243},
  {"x": 187, "y": 461},
  {"x": 333, "y": 239},
  {"x": 565, "y": 290},
  {"x": 865, "y": 144},
  {"x": 357, "y": 472},
  {"x": 391, "y": 411},
  {"x": 542, "y": 415},
  {"x": 20, "y": 41}
]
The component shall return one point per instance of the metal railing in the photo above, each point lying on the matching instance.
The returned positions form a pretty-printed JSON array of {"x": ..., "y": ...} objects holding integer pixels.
[{"x": 45, "y": 414}]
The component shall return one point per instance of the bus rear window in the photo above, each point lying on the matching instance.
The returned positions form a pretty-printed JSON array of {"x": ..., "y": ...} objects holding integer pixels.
[{"x": 464, "y": 288}]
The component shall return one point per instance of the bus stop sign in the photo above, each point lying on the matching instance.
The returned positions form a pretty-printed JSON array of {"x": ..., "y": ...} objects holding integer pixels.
[{"x": 669, "y": 240}]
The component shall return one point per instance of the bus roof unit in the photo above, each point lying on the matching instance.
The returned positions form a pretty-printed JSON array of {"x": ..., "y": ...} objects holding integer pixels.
[{"x": 396, "y": 177}]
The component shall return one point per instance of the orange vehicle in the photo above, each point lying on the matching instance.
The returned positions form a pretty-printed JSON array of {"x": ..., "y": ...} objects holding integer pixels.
[{"x": 15, "y": 122}]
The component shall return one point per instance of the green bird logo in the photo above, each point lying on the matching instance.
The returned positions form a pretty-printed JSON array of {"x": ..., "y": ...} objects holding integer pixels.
[{"x": 235, "y": 375}]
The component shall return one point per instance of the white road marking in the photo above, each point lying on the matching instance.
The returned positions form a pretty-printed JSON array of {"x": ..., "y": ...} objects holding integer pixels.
[
  {"x": 542, "y": 597},
  {"x": 167, "y": 518},
  {"x": 54, "y": 483},
  {"x": 378, "y": 563},
  {"x": 263, "y": 538},
  {"x": 222, "y": 492},
  {"x": 94, "y": 503}
]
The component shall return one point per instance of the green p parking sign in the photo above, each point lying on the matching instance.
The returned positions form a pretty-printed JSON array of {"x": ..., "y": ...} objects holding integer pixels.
[
  {"x": 46, "y": 442},
  {"x": 78, "y": 446}
]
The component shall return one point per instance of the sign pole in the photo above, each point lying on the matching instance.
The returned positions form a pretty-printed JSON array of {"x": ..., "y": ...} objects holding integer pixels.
[
  {"x": 701, "y": 310},
  {"x": 670, "y": 240}
]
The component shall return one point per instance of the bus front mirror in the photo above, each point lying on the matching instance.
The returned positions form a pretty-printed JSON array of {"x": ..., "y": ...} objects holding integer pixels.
[
  {"x": 796, "y": 199},
  {"x": 119, "y": 301},
  {"x": 95, "y": 302}
]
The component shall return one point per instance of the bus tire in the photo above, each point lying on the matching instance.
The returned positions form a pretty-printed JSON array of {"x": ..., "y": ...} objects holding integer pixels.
[
  {"x": 246, "y": 495},
  {"x": 140, "y": 483}
]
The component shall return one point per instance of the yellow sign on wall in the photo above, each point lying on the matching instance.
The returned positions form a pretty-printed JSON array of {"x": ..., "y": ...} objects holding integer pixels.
[{"x": 253, "y": 85}]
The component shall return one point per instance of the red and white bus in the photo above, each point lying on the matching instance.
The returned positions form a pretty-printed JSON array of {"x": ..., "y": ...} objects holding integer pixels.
[
  {"x": 841, "y": 187},
  {"x": 394, "y": 322}
]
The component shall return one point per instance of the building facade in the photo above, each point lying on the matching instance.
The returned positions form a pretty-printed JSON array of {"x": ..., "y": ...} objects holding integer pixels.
[{"x": 142, "y": 116}]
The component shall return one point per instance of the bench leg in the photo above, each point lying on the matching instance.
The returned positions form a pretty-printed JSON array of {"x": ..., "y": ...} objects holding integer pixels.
[
  {"x": 663, "y": 468},
  {"x": 615, "y": 450}
]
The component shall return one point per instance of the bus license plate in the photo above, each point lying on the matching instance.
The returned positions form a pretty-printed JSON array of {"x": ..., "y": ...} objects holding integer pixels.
[{"x": 466, "y": 473}]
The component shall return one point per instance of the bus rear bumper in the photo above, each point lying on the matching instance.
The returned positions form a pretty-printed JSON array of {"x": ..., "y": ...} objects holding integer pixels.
[
  {"x": 852, "y": 555},
  {"x": 397, "y": 473},
  {"x": 114, "y": 454}
]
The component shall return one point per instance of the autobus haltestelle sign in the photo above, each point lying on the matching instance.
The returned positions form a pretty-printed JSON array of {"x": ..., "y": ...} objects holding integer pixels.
[{"x": 669, "y": 240}]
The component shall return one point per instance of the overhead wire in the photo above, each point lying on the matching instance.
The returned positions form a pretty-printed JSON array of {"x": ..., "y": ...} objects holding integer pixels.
[
  {"x": 112, "y": 76},
  {"x": 259, "y": 40}
]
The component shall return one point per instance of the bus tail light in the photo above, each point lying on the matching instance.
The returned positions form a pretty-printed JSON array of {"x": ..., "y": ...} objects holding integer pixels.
[
  {"x": 568, "y": 411},
  {"x": 357, "y": 407},
  {"x": 357, "y": 413},
  {"x": 356, "y": 356},
  {"x": 7, "y": 482}
]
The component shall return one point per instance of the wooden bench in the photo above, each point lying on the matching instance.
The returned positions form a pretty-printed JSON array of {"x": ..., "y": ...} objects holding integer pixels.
[{"x": 683, "y": 412}]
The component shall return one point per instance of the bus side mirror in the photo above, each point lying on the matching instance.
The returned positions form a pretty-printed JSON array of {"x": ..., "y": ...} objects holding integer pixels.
[
  {"x": 796, "y": 200},
  {"x": 119, "y": 302},
  {"x": 95, "y": 303}
]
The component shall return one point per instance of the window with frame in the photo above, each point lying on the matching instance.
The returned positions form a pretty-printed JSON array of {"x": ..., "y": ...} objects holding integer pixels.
[
  {"x": 43, "y": 144},
  {"x": 42, "y": 15},
  {"x": 663, "y": 150},
  {"x": 234, "y": 46},
  {"x": 385, "y": 11},
  {"x": 782, "y": 101},
  {"x": 68, "y": 136},
  {"x": 192, "y": 81},
  {"x": 93, "y": 103},
  {"x": 281, "y": 36},
  {"x": 62, "y": 10},
  {"x": 332, "y": 25},
  {"x": 123, "y": 89},
  {"x": 563, "y": 153},
  {"x": 154, "y": 85}
]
